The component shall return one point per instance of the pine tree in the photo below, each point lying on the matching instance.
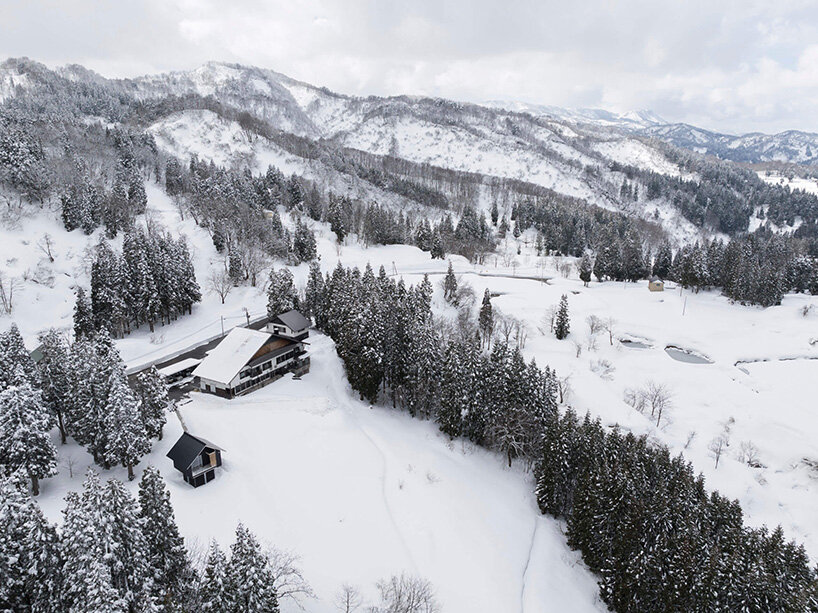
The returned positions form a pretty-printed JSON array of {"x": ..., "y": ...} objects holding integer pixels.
[
  {"x": 281, "y": 293},
  {"x": 437, "y": 251},
  {"x": 304, "y": 245},
  {"x": 86, "y": 541},
  {"x": 663, "y": 262},
  {"x": 249, "y": 575},
  {"x": 125, "y": 438},
  {"x": 83, "y": 316},
  {"x": 486, "y": 318},
  {"x": 450, "y": 286},
  {"x": 234, "y": 268},
  {"x": 314, "y": 293},
  {"x": 165, "y": 549},
  {"x": 30, "y": 565},
  {"x": 563, "y": 324},
  {"x": 25, "y": 443},
  {"x": 585, "y": 268},
  {"x": 495, "y": 214},
  {"x": 13, "y": 354},
  {"x": 127, "y": 548},
  {"x": 152, "y": 395},
  {"x": 214, "y": 591},
  {"x": 55, "y": 378}
]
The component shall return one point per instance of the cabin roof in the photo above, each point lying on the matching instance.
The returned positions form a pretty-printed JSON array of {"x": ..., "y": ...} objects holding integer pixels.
[
  {"x": 187, "y": 449},
  {"x": 293, "y": 320},
  {"x": 228, "y": 357}
]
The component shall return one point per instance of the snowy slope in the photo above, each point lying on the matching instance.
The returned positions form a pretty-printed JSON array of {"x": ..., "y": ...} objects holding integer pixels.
[{"x": 361, "y": 493}]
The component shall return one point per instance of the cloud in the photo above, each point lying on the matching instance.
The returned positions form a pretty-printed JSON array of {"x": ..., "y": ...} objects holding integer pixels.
[{"x": 731, "y": 65}]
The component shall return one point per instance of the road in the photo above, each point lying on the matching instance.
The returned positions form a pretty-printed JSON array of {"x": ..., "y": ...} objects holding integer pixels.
[{"x": 180, "y": 391}]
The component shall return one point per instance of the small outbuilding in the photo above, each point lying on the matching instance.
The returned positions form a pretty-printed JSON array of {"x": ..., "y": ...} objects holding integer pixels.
[
  {"x": 291, "y": 324},
  {"x": 656, "y": 285},
  {"x": 196, "y": 458}
]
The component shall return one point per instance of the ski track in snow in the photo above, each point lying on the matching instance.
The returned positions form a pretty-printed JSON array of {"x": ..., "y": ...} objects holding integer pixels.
[
  {"x": 350, "y": 412},
  {"x": 528, "y": 563}
]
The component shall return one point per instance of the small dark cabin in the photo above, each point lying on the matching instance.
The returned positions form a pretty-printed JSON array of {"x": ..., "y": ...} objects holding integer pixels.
[{"x": 196, "y": 458}]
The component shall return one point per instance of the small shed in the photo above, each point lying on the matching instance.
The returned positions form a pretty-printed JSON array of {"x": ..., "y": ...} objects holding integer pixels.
[
  {"x": 656, "y": 285},
  {"x": 196, "y": 458},
  {"x": 291, "y": 324}
]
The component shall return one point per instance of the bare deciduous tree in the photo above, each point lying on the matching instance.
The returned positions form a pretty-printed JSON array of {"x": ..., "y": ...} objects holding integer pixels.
[
  {"x": 288, "y": 580},
  {"x": 595, "y": 324},
  {"x": 748, "y": 454},
  {"x": 46, "y": 245},
  {"x": 654, "y": 396},
  {"x": 716, "y": 447},
  {"x": 348, "y": 599},
  {"x": 220, "y": 283},
  {"x": 609, "y": 325},
  {"x": 7, "y": 287},
  {"x": 565, "y": 267},
  {"x": 406, "y": 594}
]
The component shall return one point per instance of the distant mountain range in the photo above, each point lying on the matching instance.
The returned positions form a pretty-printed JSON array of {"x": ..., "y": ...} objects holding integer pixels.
[{"x": 792, "y": 146}]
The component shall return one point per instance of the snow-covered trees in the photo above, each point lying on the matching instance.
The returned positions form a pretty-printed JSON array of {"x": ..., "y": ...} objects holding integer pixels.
[
  {"x": 562, "y": 324},
  {"x": 30, "y": 556},
  {"x": 104, "y": 550},
  {"x": 281, "y": 293},
  {"x": 485, "y": 320},
  {"x": 152, "y": 394},
  {"x": 13, "y": 354},
  {"x": 55, "y": 377},
  {"x": 450, "y": 286},
  {"x": 83, "y": 316},
  {"x": 168, "y": 564},
  {"x": 585, "y": 268},
  {"x": 214, "y": 593},
  {"x": 25, "y": 444},
  {"x": 250, "y": 582},
  {"x": 153, "y": 281}
]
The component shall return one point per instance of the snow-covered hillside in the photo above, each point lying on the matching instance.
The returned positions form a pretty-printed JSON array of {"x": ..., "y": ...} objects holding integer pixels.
[{"x": 361, "y": 493}]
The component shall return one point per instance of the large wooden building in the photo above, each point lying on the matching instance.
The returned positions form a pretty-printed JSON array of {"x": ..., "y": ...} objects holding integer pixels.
[
  {"x": 196, "y": 458},
  {"x": 248, "y": 359}
]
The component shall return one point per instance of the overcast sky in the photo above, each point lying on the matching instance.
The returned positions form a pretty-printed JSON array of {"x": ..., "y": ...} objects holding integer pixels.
[{"x": 732, "y": 65}]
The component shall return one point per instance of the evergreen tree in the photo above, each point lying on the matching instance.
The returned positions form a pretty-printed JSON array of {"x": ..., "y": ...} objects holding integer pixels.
[
  {"x": 563, "y": 323},
  {"x": 215, "y": 592},
  {"x": 249, "y": 576},
  {"x": 25, "y": 443},
  {"x": 304, "y": 245},
  {"x": 170, "y": 572},
  {"x": 437, "y": 250},
  {"x": 495, "y": 214},
  {"x": 585, "y": 268},
  {"x": 234, "y": 267},
  {"x": 30, "y": 565},
  {"x": 83, "y": 316},
  {"x": 14, "y": 355},
  {"x": 55, "y": 378},
  {"x": 313, "y": 296},
  {"x": 663, "y": 262},
  {"x": 281, "y": 293},
  {"x": 152, "y": 395},
  {"x": 486, "y": 318},
  {"x": 450, "y": 286},
  {"x": 125, "y": 438}
]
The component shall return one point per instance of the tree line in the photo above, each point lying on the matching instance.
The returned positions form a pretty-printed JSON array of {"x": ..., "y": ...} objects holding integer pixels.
[{"x": 641, "y": 519}]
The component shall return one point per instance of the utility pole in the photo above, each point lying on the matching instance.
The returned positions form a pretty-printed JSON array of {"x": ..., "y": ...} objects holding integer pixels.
[
  {"x": 247, "y": 315},
  {"x": 222, "y": 320}
]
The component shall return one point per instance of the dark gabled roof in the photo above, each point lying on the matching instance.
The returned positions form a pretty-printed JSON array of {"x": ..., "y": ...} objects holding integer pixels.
[
  {"x": 293, "y": 320},
  {"x": 187, "y": 449}
]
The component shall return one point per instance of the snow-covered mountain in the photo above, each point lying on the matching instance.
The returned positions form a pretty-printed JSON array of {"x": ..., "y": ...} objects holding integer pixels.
[
  {"x": 630, "y": 120},
  {"x": 471, "y": 154},
  {"x": 791, "y": 146}
]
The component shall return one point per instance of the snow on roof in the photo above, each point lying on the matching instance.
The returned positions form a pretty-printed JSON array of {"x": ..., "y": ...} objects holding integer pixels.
[
  {"x": 228, "y": 357},
  {"x": 293, "y": 320},
  {"x": 172, "y": 369}
]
